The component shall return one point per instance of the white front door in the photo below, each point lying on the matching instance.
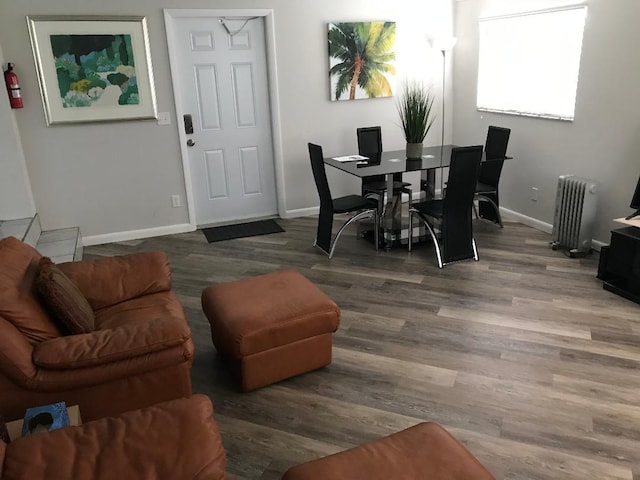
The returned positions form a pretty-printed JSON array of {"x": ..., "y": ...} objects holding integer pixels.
[{"x": 224, "y": 96}]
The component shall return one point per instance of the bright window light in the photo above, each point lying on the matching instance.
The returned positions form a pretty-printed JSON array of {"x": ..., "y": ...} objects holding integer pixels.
[{"x": 529, "y": 63}]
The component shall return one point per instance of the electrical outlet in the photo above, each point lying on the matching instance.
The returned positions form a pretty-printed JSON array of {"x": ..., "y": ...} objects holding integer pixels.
[
  {"x": 534, "y": 194},
  {"x": 175, "y": 201}
]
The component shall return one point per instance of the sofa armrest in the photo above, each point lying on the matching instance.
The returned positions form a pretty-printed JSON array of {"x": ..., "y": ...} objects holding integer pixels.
[
  {"x": 116, "y": 279},
  {"x": 15, "y": 353},
  {"x": 178, "y": 439},
  {"x": 111, "y": 345}
]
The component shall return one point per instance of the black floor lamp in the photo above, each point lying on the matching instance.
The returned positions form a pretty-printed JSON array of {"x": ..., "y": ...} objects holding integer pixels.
[{"x": 444, "y": 44}]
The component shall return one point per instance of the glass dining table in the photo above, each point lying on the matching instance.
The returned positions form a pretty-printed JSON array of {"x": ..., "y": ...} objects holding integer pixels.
[{"x": 393, "y": 162}]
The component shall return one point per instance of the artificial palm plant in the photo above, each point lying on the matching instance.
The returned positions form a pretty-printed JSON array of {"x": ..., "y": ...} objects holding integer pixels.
[{"x": 415, "y": 106}]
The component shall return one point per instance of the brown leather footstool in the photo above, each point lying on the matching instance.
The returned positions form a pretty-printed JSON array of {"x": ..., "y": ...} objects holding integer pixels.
[
  {"x": 423, "y": 452},
  {"x": 271, "y": 327}
]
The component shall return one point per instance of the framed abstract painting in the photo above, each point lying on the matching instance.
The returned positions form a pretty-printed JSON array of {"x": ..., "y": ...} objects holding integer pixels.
[
  {"x": 361, "y": 59},
  {"x": 93, "y": 69}
]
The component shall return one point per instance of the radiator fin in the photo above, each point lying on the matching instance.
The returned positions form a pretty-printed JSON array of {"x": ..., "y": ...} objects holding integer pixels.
[{"x": 575, "y": 213}]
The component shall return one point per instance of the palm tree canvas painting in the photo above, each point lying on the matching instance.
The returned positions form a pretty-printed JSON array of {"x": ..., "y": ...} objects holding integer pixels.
[{"x": 361, "y": 59}]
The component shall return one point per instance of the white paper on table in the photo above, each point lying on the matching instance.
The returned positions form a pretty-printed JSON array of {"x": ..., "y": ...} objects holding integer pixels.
[{"x": 350, "y": 158}]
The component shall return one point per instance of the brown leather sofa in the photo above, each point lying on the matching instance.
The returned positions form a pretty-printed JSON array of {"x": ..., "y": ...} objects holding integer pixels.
[
  {"x": 175, "y": 440},
  {"x": 140, "y": 352}
]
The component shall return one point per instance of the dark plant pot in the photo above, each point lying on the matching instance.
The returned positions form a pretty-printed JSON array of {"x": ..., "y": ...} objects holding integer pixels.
[{"x": 414, "y": 150}]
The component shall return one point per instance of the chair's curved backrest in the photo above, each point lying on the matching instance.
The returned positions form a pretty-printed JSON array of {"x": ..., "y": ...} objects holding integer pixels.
[
  {"x": 495, "y": 147},
  {"x": 370, "y": 141},
  {"x": 325, "y": 218},
  {"x": 457, "y": 231},
  {"x": 320, "y": 176}
]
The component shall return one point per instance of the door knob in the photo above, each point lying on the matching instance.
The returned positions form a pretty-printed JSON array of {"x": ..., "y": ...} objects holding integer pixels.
[{"x": 190, "y": 143}]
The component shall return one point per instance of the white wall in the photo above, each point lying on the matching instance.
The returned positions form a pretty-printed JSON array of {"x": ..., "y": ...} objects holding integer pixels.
[
  {"x": 603, "y": 143},
  {"x": 116, "y": 177},
  {"x": 15, "y": 191}
]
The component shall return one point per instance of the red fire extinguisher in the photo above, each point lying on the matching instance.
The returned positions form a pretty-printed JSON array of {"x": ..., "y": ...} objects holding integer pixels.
[{"x": 13, "y": 87}]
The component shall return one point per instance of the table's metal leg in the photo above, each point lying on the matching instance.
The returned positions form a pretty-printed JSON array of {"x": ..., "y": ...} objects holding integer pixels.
[
  {"x": 387, "y": 221},
  {"x": 388, "y": 209},
  {"x": 392, "y": 217},
  {"x": 428, "y": 183}
]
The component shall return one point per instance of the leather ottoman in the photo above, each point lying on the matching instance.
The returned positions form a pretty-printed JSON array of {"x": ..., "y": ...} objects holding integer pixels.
[
  {"x": 271, "y": 327},
  {"x": 424, "y": 451}
]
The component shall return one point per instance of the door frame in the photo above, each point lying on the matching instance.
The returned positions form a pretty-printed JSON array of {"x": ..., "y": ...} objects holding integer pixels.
[{"x": 170, "y": 15}]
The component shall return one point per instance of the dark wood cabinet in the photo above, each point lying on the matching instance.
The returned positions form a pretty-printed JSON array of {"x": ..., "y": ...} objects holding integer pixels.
[{"x": 620, "y": 263}]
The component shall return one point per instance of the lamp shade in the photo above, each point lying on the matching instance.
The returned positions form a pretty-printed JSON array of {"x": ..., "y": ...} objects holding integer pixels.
[{"x": 443, "y": 44}]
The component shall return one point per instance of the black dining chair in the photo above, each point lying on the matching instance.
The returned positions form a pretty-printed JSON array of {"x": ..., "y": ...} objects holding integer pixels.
[
  {"x": 360, "y": 206},
  {"x": 453, "y": 213},
  {"x": 369, "y": 142},
  {"x": 487, "y": 188}
]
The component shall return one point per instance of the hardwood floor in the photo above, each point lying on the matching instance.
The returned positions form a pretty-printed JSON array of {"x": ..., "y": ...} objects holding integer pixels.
[{"x": 522, "y": 355}]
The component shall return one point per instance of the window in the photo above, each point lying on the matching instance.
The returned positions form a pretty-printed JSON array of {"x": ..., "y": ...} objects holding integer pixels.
[{"x": 529, "y": 63}]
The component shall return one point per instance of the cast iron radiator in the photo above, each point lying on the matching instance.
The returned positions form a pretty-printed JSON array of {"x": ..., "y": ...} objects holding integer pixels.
[{"x": 575, "y": 213}]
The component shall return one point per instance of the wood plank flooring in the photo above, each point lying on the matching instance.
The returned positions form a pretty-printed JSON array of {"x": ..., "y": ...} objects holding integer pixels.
[{"x": 522, "y": 355}]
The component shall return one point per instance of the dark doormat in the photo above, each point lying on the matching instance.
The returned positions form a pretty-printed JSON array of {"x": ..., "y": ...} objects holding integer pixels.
[{"x": 251, "y": 229}]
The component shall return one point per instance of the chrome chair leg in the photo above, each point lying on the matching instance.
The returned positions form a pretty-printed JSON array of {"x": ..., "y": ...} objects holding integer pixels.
[
  {"x": 315, "y": 244},
  {"x": 358, "y": 216},
  {"x": 376, "y": 233},
  {"x": 380, "y": 198},
  {"x": 411, "y": 212},
  {"x": 435, "y": 242},
  {"x": 409, "y": 192},
  {"x": 499, "y": 217},
  {"x": 475, "y": 250},
  {"x": 434, "y": 238}
]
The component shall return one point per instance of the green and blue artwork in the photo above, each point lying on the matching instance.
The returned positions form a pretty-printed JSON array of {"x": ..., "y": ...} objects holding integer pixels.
[
  {"x": 361, "y": 59},
  {"x": 95, "y": 70}
]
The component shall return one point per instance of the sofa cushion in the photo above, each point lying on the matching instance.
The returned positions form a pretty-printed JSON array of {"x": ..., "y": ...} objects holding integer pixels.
[
  {"x": 19, "y": 302},
  {"x": 142, "y": 309},
  {"x": 64, "y": 299},
  {"x": 111, "y": 280},
  {"x": 173, "y": 440}
]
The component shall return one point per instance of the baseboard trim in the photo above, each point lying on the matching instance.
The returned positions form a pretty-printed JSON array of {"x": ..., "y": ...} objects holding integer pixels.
[
  {"x": 597, "y": 245},
  {"x": 543, "y": 226},
  {"x": 302, "y": 212},
  {"x": 529, "y": 221},
  {"x": 137, "y": 234}
]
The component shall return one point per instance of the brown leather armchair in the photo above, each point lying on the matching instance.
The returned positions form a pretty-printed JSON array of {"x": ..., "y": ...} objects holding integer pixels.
[
  {"x": 139, "y": 354},
  {"x": 173, "y": 440}
]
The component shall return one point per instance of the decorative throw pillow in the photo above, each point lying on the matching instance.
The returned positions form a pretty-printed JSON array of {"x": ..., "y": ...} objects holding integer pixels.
[{"x": 64, "y": 299}]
